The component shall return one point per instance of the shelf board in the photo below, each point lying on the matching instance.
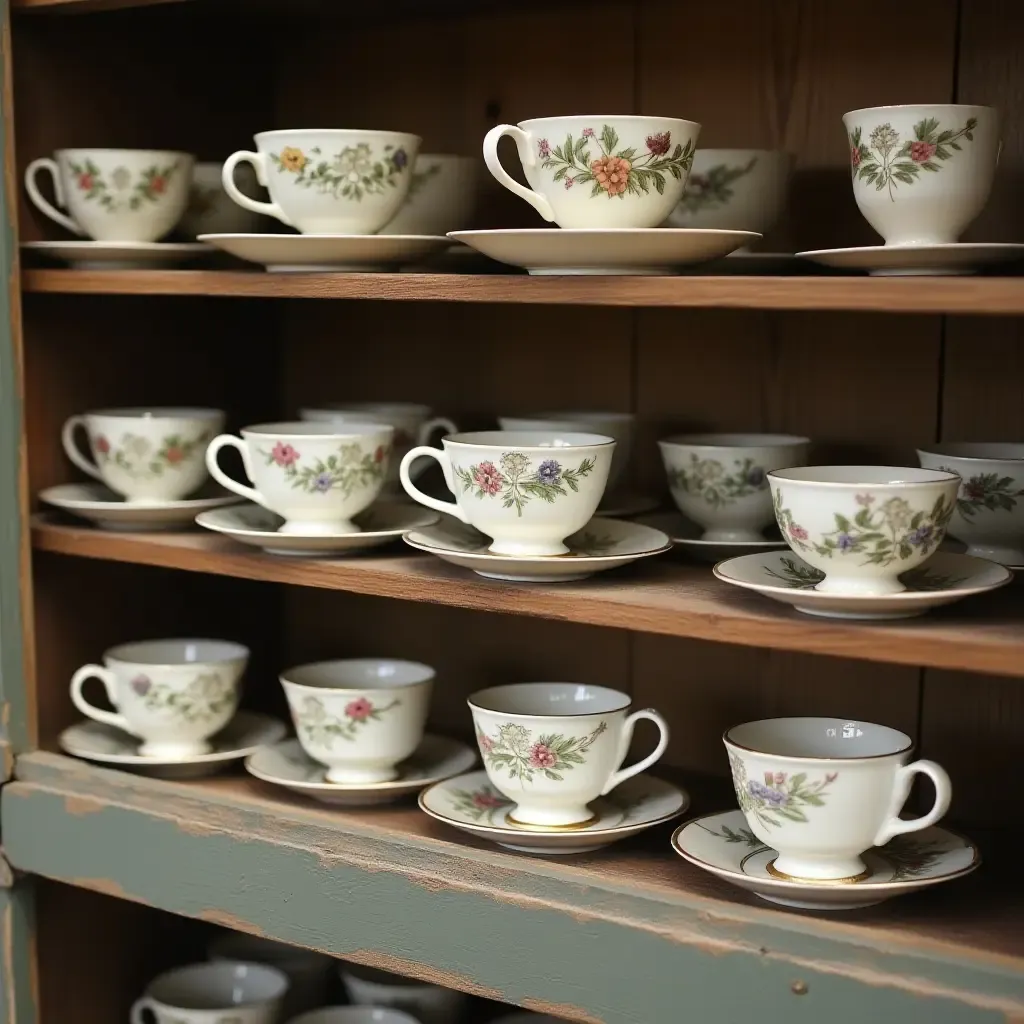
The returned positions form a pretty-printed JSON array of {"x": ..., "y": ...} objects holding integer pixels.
[
  {"x": 661, "y": 596},
  {"x": 983, "y": 295}
]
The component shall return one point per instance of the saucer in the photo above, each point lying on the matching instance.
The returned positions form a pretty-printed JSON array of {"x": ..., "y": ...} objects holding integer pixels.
[
  {"x": 943, "y": 579},
  {"x": 724, "y": 845},
  {"x": 346, "y": 253},
  {"x": 624, "y": 504},
  {"x": 110, "y": 511},
  {"x": 903, "y": 260},
  {"x": 686, "y": 534},
  {"x": 742, "y": 262},
  {"x": 287, "y": 764},
  {"x": 469, "y": 802},
  {"x": 601, "y": 544},
  {"x": 119, "y": 255},
  {"x": 105, "y": 744},
  {"x": 604, "y": 250},
  {"x": 383, "y": 523}
]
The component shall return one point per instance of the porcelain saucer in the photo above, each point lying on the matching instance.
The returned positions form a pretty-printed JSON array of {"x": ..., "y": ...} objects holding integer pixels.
[
  {"x": 287, "y": 764},
  {"x": 943, "y": 579},
  {"x": 346, "y": 253},
  {"x": 907, "y": 260},
  {"x": 110, "y": 511},
  {"x": 724, "y": 845},
  {"x": 626, "y": 503},
  {"x": 604, "y": 250},
  {"x": 119, "y": 255},
  {"x": 105, "y": 744},
  {"x": 602, "y": 544},
  {"x": 383, "y": 523},
  {"x": 469, "y": 802},
  {"x": 686, "y": 535}
]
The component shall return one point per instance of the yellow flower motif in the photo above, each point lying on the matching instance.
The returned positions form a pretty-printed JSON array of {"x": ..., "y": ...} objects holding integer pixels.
[{"x": 293, "y": 159}]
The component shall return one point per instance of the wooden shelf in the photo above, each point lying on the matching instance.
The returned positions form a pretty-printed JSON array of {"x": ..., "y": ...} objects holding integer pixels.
[
  {"x": 662, "y": 596},
  {"x": 980, "y": 295}
]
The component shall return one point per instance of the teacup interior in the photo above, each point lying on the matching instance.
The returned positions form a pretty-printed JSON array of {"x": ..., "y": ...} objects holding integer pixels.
[
  {"x": 354, "y": 1015},
  {"x": 736, "y": 440},
  {"x": 529, "y": 439},
  {"x": 300, "y": 429},
  {"x": 550, "y": 699},
  {"x": 861, "y": 476},
  {"x": 218, "y": 986},
  {"x": 161, "y": 413},
  {"x": 359, "y": 673},
  {"x": 1003, "y": 451},
  {"x": 819, "y": 738},
  {"x": 178, "y": 652}
]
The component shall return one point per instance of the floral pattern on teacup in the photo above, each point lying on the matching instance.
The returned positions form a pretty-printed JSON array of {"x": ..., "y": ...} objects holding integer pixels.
[
  {"x": 988, "y": 491},
  {"x": 780, "y": 797},
  {"x": 515, "y": 749},
  {"x": 317, "y": 726},
  {"x": 477, "y": 804},
  {"x": 348, "y": 470},
  {"x": 710, "y": 480},
  {"x": 143, "y": 459},
  {"x": 517, "y": 482},
  {"x": 122, "y": 190},
  {"x": 206, "y": 697},
  {"x": 712, "y": 188},
  {"x": 352, "y": 173}
]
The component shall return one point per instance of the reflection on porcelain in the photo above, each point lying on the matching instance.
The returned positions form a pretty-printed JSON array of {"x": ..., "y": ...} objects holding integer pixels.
[
  {"x": 442, "y": 196},
  {"x": 221, "y": 993},
  {"x": 211, "y": 209},
  {"x": 119, "y": 255},
  {"x": 952, "y": 259},
  {"x": 426, "y": 1003}
]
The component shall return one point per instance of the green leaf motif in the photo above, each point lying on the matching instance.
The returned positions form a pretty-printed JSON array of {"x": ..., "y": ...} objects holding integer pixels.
[
  {"x": 517, "y": 482},
  {"x": 514, "y": 749}
]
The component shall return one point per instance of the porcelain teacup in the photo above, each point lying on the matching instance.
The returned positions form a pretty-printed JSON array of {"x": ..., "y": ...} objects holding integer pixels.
[
  {"x": 599, "y": 170},
  {"x": 360, "y": 717},
  {"x": 328, "y": 182},
  {"x": 989, "y": 516},
  {"x": 527, "y": 490},
  {"x": 720, "y": 481},
  {"x": 147, "y": 455},
  {"x": 171, "y": 694},
  {"x": 356, "y": 1015},
  {"x": 923, "y": 172},
  {"x": 316, "y": 476},
  {"x": 442, "y": 196},
  {"x": 221, "y": 993},
  {"x": 114, "y": 195},
  {"x": 863, "y": 525},
  {"x": 821, "y": 791},
  {"x": 211, "y": 210},
  {"x": 426, "y": 1003},
  {"x": 553, "y": 748}
]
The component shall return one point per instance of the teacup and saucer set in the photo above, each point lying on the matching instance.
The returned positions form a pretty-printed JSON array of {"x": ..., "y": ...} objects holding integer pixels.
[
  {"x": 819, "y": 825},
  {"x": 921, "y": 174},
  {"x": 553, "y": 781},
  {"x": 176, "y": 709},
  {"x": 360, "y": 741},
  {"x": 146, "y": 463},
  {"x": 608, "y": 182}
]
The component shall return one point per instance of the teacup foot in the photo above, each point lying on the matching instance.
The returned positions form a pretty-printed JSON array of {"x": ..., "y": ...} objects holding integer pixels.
[
  {"x": 543, "y": 820},
  {"x": 349, "y": 776},
  {"x": 860, "y": 586},
  {"x": 839, "y": 872},
  {"x": 307, "y": 529},
  {"x": 733, "y": 536},
  {"x": 174, "y": 751},
  {"x": 524, "y": 549}
]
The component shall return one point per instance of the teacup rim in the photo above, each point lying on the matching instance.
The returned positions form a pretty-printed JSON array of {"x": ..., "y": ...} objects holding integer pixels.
[
  {"x": 307, "y": 430},
  {"x": 918, "y": 106},
  {"x": 937, "y": 450},
  {"x": 788, "y": 476},
  {"x": 594, "y": 440},
  {"x": 548, "y": 414},
  {"x": 473, "y": 701},
  {"x": 355, "y": 1012},
  {"x": 727, "y": 440},
  {"x": 277, "y": 132},
  {"x": 427, "y": 675},
  {"x": 273, "y": 974},
  {"x": 107, "y": 150},
  {"x": 160, "y": 412},
  {"x": 907, "y": 747},
  {"x": 240, "y": 651},
  {"x": 365, "y": 407},
  {"x": 607, "y": 117}
]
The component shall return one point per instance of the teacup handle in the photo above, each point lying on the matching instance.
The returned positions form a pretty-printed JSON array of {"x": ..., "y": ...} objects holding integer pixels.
[
  {"x": 44, "y": 163},
  {"x": 106, "y": 677},
  {"x": 445, "y": 462},
  {"x": 437, "y": 423},
  {"x": 139, "y": 1007},
  {"x": 259, "y": 163},
  {"x": 535, "y": 199},
  {"x": 622, "y": 774},
  {"x": 67, "y": 438},
  {"x": 895, "y": 825},
  {"x": 218, "y": 474}
]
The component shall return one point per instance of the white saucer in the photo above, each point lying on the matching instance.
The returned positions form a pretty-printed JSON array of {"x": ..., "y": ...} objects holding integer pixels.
[
  {"x": 904, "y": 260},
  {"x": 287, "y": 764},
  {"x": 686, "y": 535},
  {"x": 110, "y": 511},
  {"x": 105, "y": 744},
  {"x": 625, "y": 504},
  {"x": 469, "y": 802},
  {"x": 604, "y": 251},
  {"x": 601, "y": 544},
  {"x": 724, "y": 845},
  {"x": 384, "y": 523},
  {"x": 119, "y": 255},
  {"x": 943, "y": 579},
  {"x": 345, "y": 253}
]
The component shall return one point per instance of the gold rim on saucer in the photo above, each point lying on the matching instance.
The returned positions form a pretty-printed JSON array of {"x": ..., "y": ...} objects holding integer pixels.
[
  {"x": 849, "y": 880},
  {"x": 574, "y": 827}
]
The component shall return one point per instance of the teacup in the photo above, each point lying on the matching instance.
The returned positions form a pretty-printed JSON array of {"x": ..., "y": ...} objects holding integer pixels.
[
  {"x": 720, "y": 481},
  {"x": 316, "y": 476},
  {"x": 171, "y": 694},
  {"x": 428, "y": 1004},
  {"x": 734, "y": 189},
  {"x": 355, "y": 1015},
  {"x": 148, "y": 455},
  {"x": 442, "y": 196},
  {"x": 333, "y": 181},
  {"x": 114, "y": 195},
  {"x": 223, "y": 993},
  {"x": 555, "y": 747},
  {"x": 863, "y": 525},
  {"x": 527, "y": 490},
  {"x": 210, "y": 209},
  {"x": 989, "y": 516},
  {"x": 359, "y": 717},
  {"x": 821, "y": 791},
  {"x": 922, "y": 173},
  {"x": 599, "y": 170}
]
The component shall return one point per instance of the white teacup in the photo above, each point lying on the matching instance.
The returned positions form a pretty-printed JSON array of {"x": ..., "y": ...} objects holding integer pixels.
[
  {"x": 599, "y": 171},
  {"x": 211, "y": 210},
  {"x": 923, "y": 172},
  {"x": 172, "y": 694},
  {"x": 148, "y": 455},
  {"x": 354, "y": 1015},
  {"x": 989, "y": 516},
  {"x": 527, "y": 490},
  {"x": 114, "y": 195},
  {"x": 442, "y": 196},
  {"x": 223, "y": 993},
  {"x": 332, "y": 181},
  {"x": 555, "y": 747},
  {"x": 821, "y": 791},
  {"x": 359, "y": 717},
  {"x": 428, "y": 1004},
  {"x": 720, "y": 481},
  {"x": 316, "y": 476}
]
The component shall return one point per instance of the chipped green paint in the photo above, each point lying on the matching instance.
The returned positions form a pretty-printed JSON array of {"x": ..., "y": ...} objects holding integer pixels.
[{"x": 17, "y": 991}]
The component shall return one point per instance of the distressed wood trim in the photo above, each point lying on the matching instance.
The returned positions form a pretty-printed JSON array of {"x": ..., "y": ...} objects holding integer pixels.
[{"x": 19, "y": 997}]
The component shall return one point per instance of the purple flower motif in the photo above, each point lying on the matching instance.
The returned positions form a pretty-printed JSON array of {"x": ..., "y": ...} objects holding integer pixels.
[
  {"x": 760, "y": 791},
  {"x": 544, "y": 149},
  {"x": 845, "y": 542},
  {"x": 322, "y": 483},
  {"x": 755, "y": 477},
  {"x": 922, "y": 536},
  {"x": 141, "y": 685},
  {"x": 549, "y": 472},
  {"x": 588, "y": 133},
  {"x": 569, "y": 182},
  {"x": 400, "y": 159}
]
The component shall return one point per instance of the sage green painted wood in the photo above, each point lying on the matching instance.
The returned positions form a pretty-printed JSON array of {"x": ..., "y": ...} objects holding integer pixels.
[{"x": 17, "y": 990}]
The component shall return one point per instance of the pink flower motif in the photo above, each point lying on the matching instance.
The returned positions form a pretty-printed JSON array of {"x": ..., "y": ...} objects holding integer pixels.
[
  {"x": 921, "y": 151},
  {"x": 798, "y": 532},
  {"x": 660, "y": 143},
  {"x": 487, "y": 477},
  {"x": 865, "y": 500},
  {"x": 569, "y": 182},
  {"x": 101, "y": 444},
  {"x": 544, "y": 149},
  {"x": 486, "y": 743},
  {"x": 483, "y": 799},
  {"x": 359, "y": 710},
  {"x": 378, "y": 455},
  {"x": 855, "y": 156},
  {"x": 780, "y": 778},
  {"x": 141, "y": 685},
  {"x": 542, "y": 756},
  {"x": 588, "y": 133},
  {"x": 831, "y": 777},
  {"x": 284, "y": 454},
  {"x": 697, "y": 183}
]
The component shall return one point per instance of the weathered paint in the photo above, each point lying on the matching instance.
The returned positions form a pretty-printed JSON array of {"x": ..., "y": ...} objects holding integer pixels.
[{"x": 18, "y": 996}]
